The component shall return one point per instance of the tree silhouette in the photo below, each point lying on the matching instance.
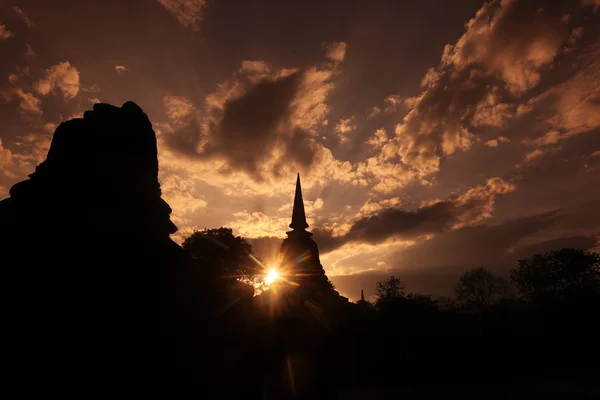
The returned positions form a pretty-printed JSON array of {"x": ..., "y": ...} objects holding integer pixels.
[
  {"x": 390, "y": 288},
  {"x": 559, "y": 272},
  {"x": 479, "y": 288},
  {"x": 226, "y": 256}
]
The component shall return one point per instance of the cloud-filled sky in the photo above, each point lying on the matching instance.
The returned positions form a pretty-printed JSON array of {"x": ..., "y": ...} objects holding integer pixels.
[{"x": 431, "y": 136}]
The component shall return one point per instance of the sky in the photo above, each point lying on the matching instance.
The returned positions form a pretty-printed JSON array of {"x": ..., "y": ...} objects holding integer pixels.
[{"x": 431, "y": 137}]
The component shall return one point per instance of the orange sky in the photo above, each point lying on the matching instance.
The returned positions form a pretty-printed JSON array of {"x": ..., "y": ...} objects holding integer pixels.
[{"x": 430, "y": 138}]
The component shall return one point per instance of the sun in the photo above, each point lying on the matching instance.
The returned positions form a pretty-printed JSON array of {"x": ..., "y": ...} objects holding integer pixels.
[{"x": 272, "y": 275}]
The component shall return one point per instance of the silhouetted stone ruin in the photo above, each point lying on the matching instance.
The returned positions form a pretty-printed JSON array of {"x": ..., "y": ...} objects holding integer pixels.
[
  {"x": 101, "y": 173},
  {"x": 90, "y": 270}
]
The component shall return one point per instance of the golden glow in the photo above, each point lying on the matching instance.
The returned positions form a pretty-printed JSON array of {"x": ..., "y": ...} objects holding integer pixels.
[{"x": 272, "y": 275}]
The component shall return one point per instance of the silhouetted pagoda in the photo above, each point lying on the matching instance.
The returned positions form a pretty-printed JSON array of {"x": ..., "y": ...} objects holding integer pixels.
[
  {"x": 362, "y": 301},
  {"x": 300, "y": 317},
  {"x": 299, "y": 254}
]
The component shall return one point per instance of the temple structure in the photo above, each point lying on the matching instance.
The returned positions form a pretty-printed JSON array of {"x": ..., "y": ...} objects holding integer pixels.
[
  {"x": 299, "y": 254},
  {"x": 362, "y": 301}
]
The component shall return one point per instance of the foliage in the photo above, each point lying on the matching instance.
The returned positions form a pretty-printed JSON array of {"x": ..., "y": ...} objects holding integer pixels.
[
  {"x": 420, "y": 298},
  {"x": 479, "y": 288},
  {"x": 225, "y": 255},
  {"x": 390, "y": 289},
  {"x": 558, "y": 272},
  {"x": 330, "y": 284}
]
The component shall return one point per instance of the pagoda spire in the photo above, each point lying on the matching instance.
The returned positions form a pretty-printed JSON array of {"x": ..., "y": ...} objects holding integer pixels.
[
  {"x": 362, "y": 295},
  {"x": 298, "y": 214}
]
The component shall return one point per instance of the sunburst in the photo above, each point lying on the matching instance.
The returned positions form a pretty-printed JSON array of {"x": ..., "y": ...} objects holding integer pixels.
[{"x": 272, "y": 276}]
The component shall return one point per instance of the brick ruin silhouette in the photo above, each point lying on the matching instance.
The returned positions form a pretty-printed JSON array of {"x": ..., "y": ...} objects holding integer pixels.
[{"x": 92, "y": 275}]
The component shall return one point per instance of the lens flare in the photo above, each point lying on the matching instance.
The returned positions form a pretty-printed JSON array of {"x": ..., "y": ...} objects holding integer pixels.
[{"x": 272, "y": 275}]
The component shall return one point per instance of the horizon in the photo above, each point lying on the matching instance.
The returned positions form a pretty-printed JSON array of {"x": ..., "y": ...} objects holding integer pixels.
[{"x": 398, "y": 177}]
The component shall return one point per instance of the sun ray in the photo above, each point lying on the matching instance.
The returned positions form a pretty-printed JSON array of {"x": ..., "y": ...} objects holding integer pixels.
[{"x": 272, "y": 275}]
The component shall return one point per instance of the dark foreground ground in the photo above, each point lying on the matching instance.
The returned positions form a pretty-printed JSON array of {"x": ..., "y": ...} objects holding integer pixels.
[{"x": 556, "y": 389}]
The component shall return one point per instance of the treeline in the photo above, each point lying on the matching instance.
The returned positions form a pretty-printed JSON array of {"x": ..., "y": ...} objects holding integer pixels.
[
  {"x": 555, "y": 292},
  {"x": 494, "y": 329},
  {"x": 547, "y": 293}
]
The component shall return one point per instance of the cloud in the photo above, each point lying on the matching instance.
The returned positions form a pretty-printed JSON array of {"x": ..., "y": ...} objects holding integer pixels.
[
  {"x": 181, "y": 194},
  {"x": 62, "y": 76},
  {"x": 392, "y": 101},
  {"x": 263, "y": 121},
  {"x": 496, "y": 142},
  {"x": 345, "y": 126},
  {"x": 256, "y": 121},
  {"x": 378, "y": 139},
  {"x": 575, "y": 242},
  {"x": 371, "y": 207},
  {"x": 32, "y": 149},
  {"x": 501, "y": 55},
  {"x": 431, "y": 76},
  {"x": 29, "y": 51},
  {"x": 29, "y": 104},
  {"x": 476, "y": 245},
  {"x": 121, "y": 68},
  {"x": 576, "y": 34},
  {"x": 473, "y": 205},
  {"x": 575, "y": 103},
  {"x": 257, "y": 224},
  {"x": 534, "y": 154},
  {"x": 373, "y": 112},
  {"x": 5, "y": 158},
  {"x": 434, "y": 265},
  {"x": 336, "y": 51},
  {"x": 179, "y": 109},
  {"x": 50, "y": 127},
  {"x": 4, "y": 32},
  {"x": 549, "y": 138},
  {"x": 24, "y": 17},
  {"x": 595, "y": 3},
  {"x": 515, "y": 40},
  {"x": 490, "y": 111},
  {"x": 27, "y": 152},
  {"x": 188, "y": 12}
]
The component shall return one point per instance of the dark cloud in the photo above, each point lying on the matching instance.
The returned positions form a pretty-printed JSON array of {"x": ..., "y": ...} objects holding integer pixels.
[
  {"x": 471, "y": 206},
  {"x": 575, "y": 242},
  {"x": 249, "y": 129},
  {"x": 392, "y": 222},
  {"x": 186, "y": 138},
  {"x": 480, "y": 81},
  {"x": 299, "y": 148},
  {"x": 256, "y": 125},
  {"x": 434, "y": 266},
  {"x": 188, "y": 12},
  {"x": 24, "y": 17},
  {"x": 474, "y": 246}
]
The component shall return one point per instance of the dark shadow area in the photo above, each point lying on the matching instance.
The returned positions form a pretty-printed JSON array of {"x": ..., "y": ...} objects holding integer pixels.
[{"x": 100, "y": 300}]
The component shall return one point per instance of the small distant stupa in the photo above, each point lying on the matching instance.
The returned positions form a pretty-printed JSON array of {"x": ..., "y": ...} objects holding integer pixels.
[
  {"x": 362, "y": 301},
  {"x": 299, "y": 254}
]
